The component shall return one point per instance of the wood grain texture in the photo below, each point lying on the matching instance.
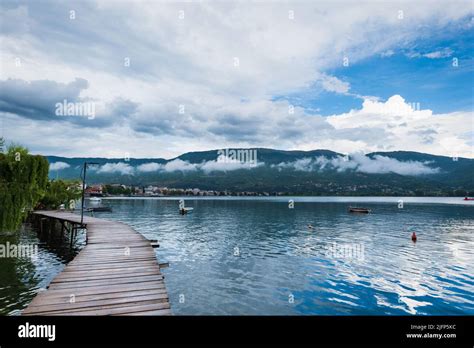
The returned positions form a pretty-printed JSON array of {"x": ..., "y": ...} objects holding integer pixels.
[{"x": 116, "y": 273}]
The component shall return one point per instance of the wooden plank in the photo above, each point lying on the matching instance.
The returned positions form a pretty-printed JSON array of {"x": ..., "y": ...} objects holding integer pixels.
[
  {"x": 110, "y": 266},
  {"x": 107, "y": 309},
  {"x": 92, "y": 283},
  {"x": 117, "y": 257},
  {"x": 110, "y": 246},
  {"x": 123, "y": 252},
  {"x": 80, "y": 259},
  {"x": 156, "y": 298},
  {"x": 41, "y": 301},
  {"x": 74, "y": 277},
  {"x": 114, "y": 260},
  {"x": 99, "y": 290},
  {"x": 152, "y": 312},
  {"x": 79, "y": 276}
]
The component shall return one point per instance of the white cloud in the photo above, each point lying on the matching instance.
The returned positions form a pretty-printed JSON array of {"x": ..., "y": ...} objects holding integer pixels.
[
  {"x": 377, "y": 126},
  {"x": 190, "y": 62},
  {"x": 227, "y": 164},
  {"x": 221, "y": 164},
  {"x": 120, "y": 167},
  {"x": 403, "y": 126},
  {"x": 149, "y": 167},
  {"x": 179, "y": 165},
  {"x": 333, "y": 84},
  {"x": 360, "y": 163},
  {"x": 387, "y": 53},
  {"x": 15, "y": 20},
  {"x": 381, "y": 165},
  {"x": 444, "y": 53},
  {"x": 58, "y": 166},
  {"x": 302, "y": 165}
]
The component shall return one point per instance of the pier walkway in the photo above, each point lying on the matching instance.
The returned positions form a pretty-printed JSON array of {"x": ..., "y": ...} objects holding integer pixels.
[{"x": 116, "y": 273}]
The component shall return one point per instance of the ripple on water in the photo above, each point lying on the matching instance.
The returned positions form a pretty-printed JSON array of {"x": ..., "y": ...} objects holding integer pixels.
[
  {"x": 259, "y": 257},
  {"x": 22, "y": 278}
]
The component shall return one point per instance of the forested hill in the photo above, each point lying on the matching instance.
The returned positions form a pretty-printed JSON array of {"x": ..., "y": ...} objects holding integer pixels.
[{"x": 317, "y": 172}]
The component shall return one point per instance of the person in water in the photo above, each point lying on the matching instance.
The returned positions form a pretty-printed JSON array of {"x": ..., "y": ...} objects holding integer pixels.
[
  {"x": 310, "y": 226},
  {"x": 413, "y": 237}
]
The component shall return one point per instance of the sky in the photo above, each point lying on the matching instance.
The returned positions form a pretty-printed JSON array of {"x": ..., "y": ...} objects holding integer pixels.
[{"x": 158, "y": 79}]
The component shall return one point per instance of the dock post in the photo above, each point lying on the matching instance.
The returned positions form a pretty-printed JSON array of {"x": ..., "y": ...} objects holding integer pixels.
[
  {"x": 71, "y": 236},
  {"x": 62, "y": 230}
]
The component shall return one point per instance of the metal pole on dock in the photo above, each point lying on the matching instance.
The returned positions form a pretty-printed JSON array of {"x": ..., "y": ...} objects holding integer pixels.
[{"x": 83, "y": 190}]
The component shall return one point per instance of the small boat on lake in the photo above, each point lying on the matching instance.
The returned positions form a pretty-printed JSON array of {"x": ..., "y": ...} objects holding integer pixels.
[
  {"x": 183, "y": 211},
  {"x": 359, "y": 210},
  {"x": 100, "y": 209},
  {"x": 468, "y": 199}
]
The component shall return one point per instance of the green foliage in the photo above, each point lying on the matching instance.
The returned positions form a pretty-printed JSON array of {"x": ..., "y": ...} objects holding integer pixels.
[
  {"x": 116, "y": 190},
  {"x": 268, "y": 177},
  {"x": 460, "y": 193},
  {"x": 23, "y": 181},
  {"x": 60, "y": 192}
]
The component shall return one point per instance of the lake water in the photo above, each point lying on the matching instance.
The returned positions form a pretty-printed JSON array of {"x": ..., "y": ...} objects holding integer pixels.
[
  {"x": 21, "y": 278},
  {"x": 246, "y": 255}
]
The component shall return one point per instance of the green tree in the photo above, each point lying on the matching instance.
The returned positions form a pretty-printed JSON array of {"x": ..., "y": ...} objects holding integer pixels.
[
  {"x": 60, "y": 192},
  {"x": 23, "y": 181},
  {"x": 117, "y": 190},
  {"x": 460, "y": 193}
]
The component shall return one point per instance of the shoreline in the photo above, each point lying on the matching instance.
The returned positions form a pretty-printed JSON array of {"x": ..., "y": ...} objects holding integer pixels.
[{"x": 309, "y": 199}]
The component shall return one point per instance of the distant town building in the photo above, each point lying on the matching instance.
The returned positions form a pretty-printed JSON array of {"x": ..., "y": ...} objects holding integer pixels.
[{"x": 94, "y": 190}]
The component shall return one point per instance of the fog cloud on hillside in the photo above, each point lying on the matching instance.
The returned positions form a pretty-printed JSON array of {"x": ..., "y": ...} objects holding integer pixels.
[{"x": 360, "y": 163}]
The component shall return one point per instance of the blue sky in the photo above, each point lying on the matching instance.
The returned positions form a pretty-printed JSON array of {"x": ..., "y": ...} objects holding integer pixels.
[{"x": 434, "y": 83}]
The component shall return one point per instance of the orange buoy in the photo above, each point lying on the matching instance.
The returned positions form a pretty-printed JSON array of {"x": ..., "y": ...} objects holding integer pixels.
[{"x": 413, "y": 237}]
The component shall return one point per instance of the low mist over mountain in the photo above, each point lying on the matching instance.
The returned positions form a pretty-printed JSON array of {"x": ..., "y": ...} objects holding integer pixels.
[{"x": 317, "y": 172}]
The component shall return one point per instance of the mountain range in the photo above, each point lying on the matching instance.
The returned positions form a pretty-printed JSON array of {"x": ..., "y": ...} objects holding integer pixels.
[{"x": 316, "y": 172}]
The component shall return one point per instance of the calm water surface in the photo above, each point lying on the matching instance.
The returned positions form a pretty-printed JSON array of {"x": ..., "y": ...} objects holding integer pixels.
[
  {"x": 22, "y": 278},
  {"x": 258, "y": 256}
]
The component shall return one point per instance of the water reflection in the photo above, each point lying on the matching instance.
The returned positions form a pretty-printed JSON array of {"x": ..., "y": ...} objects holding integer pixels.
[
  {"x": 278, "y": 256},
  {"x": 257, "y": 256},
  {"x": 21, "y": 278}
]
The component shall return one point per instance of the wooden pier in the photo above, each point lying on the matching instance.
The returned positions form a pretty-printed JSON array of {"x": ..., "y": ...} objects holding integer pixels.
[{"x": 116, "y": 273}]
